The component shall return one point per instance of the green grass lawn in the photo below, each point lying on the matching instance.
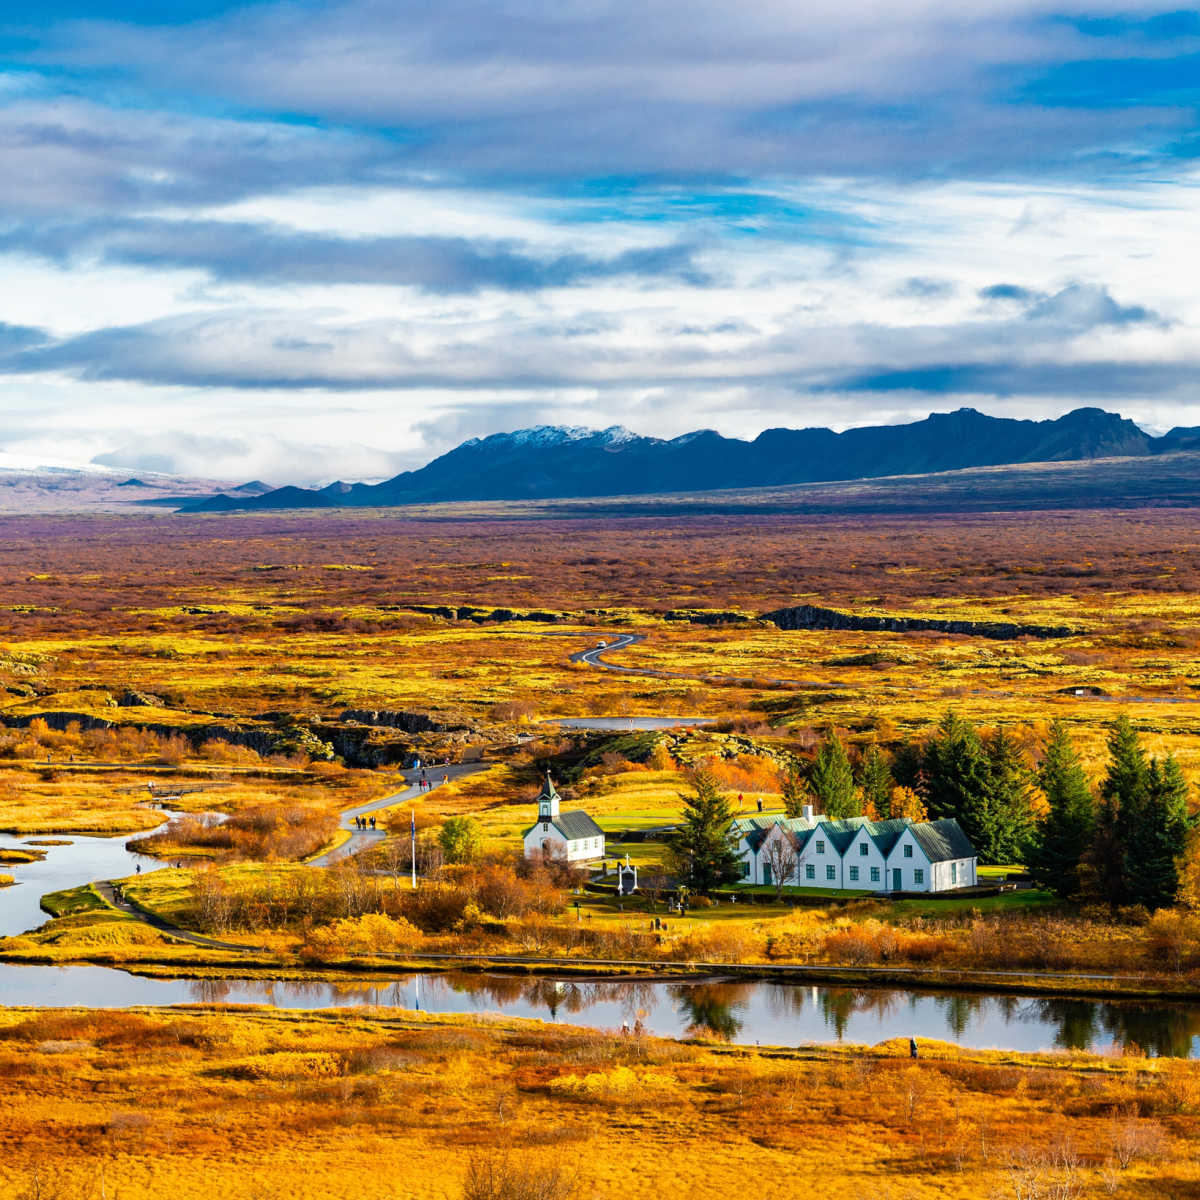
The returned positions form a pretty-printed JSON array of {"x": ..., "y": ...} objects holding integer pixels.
[
  {"x": 1000, "y": 871},
  {"x": 1027, "y": 900}
]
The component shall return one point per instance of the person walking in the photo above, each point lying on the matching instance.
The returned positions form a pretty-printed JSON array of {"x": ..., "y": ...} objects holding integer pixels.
[{"x": 912, "y": 1047}]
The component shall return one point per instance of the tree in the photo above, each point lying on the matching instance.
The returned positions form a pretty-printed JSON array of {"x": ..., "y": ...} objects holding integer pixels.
[
  {"x": 1159, "y": 837},
  {"x": 1061, "y": 840},
  {"x": 1004, "y": 810},
  {"x": 795, "y": 792},
  {"x": 954, "y": 769},
  {"x": 832, "y": 780},
  {"x": 780, "y": 855},
  {"x": 876, "y": 783},
  {"x": 460, "y": 839},
  {"x": 1123, "y": 793},
  {"x": 906, "y": 803},
  {"x": 703, "y": 851}
]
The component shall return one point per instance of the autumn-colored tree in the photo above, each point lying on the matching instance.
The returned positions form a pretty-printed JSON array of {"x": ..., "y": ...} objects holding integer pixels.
[{"x": 904, "y": 802}]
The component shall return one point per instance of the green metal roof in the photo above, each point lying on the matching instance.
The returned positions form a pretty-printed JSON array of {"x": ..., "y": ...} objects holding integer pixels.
[
  {"x": 943, "y": 840},
  {"x": 573, "y": 825}
]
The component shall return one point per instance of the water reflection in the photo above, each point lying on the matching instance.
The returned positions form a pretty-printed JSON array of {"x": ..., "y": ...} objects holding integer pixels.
[
  {"x": 712, "y": 1009},
  {"x": 730, "y": 1010}
]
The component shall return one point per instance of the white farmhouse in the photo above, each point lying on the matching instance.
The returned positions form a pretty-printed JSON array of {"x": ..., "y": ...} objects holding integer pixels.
[
  {"x": 569, "y": 836},
  {"x": 856, "y": 854}
]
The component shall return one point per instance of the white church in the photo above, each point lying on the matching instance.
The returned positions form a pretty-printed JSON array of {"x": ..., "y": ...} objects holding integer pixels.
[{"x": 568, "y": 836}]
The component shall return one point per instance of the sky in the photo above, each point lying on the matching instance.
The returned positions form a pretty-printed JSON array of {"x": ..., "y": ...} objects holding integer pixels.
[{"x": 304, "y": 241}]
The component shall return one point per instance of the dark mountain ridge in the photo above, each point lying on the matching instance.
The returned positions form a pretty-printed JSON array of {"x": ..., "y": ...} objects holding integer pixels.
[{"x": 551, "y": 462}]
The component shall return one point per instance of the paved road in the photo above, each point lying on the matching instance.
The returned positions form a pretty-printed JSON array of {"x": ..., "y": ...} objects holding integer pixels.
[
  {"x": 594, "y": 657},
  {"x": 361, "y": 840}
]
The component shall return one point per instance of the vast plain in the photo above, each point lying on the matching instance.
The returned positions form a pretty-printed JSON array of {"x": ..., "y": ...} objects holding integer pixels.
[{"x": 264, "y": 674}]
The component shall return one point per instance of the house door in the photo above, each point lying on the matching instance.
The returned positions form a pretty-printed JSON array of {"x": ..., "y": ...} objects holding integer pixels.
[
  {"x": 766, "y": 872},
  {"x": 897, "y": 879}
]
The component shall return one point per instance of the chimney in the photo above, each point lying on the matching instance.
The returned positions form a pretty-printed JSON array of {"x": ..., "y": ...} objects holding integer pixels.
[{"x": 807, "y": 812}]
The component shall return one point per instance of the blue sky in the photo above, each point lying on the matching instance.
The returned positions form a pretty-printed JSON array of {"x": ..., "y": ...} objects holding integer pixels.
[{"x": 308, "y": 240}]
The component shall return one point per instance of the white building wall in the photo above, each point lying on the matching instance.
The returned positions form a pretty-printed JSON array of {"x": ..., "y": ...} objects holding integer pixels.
[
  {"x": 539, "y": 841},
  {"x": 909, "y": 866},
  {"x": 957, "y": 873},
  {"x": 872, "y": 860},
  {"x": 820, "y": 854}
]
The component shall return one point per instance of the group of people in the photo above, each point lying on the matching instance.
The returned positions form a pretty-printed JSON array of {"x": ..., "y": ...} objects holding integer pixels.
[
  {"x": 364, "y": 822},
  {"x": 424, "y": 784}
]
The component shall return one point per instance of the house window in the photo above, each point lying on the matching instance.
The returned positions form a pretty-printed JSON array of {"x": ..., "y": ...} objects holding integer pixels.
[
  {"x": 908, "y": 852},
  {"x": 918, "y": 875},
  {"x": 954, "y": 872},
  {"x": 746, "y": 870},
  {"x": 863, "y": 848},
  {"x": 545, "y": 826},
  {"x": 810, "y": 872},
  {"x": 853, "y": 874},
  {"x": 831, "y": 872},
  {"x": 874, "y": 874},
  {"x": 820, "y": 847}
]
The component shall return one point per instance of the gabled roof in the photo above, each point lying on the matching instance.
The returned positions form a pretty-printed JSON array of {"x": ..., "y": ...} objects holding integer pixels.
[
  {"x": 573, "y": 825},
  {"x": 548, "y": 791},
  {"x": 943, "y": 840},
  {"x": 885, "y": 834},
  {"x": 755, "y": 829}
]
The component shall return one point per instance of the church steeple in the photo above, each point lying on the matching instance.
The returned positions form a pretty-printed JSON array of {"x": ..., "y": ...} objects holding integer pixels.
[{"x": 548, "y": 800}]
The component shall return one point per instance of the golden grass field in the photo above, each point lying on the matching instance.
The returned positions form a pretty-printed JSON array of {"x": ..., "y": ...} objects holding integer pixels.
[
  {"x": 213, "y": 1105},
  {"x": 254, "y": 622}
]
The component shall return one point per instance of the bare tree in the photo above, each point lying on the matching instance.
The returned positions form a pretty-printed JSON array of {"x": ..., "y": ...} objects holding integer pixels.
[{"x": 780, "y": 856}]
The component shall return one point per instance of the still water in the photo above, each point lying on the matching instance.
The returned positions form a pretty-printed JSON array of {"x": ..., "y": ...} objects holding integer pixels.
[
  {"x": 736, "y": 1011},
  {"x": 774, "y": 1013},
  {"x": 82, "y": 860}
]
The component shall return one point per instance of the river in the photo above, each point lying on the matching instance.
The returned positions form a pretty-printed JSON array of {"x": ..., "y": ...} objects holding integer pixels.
[
  {"x": 774, "y": 1013},
  {"x": 81, "y": 860},
  {"x": 732, "y": 1010}
]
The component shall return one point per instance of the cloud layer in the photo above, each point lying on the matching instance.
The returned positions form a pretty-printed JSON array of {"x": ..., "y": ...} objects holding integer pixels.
[{"x": 281, "y": 232}]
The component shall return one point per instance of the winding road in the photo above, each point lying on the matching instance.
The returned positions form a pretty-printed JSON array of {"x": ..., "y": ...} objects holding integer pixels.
[
  {"x": 363, "y": 839},
  {"x": 593, "y": 657}
]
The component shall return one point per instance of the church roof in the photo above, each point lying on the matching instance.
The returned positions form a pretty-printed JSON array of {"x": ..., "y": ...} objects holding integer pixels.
[{"x": 574, "y": 826}]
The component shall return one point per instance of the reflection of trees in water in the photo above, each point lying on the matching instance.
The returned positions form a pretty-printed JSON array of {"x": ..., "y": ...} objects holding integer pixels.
[
  {"x": 212, "y": 991},
  {"x": 1158, "y": 1030},
  {"x": 959, "y": 1011},
  {"x": 838, "y": 1005},
  {"x": 1076, "y": 1023},
  {"x": 712, "y": 1008}
]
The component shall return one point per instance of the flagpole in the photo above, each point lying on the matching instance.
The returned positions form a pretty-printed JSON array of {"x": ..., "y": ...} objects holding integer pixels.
[{"x": 412, "y": 813}]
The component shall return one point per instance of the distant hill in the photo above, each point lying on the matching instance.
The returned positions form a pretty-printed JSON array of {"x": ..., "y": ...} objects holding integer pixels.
[{"x": 552, "y": 462}]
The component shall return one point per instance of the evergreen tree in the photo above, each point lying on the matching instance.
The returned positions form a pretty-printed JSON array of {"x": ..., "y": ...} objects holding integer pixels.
[
  {"x": 1123, "y": 793},
  {"x": 795, "y": 791},
  {"x": 1159, "y": 838},
  {"x": 876, "y": 783},
  {"x": 1062, "y": 838},
  {"x": 832, "y": 781},
  {"x": 955, "y": 775},
  {"x": 704, "y": 853},
  {"x": 1003, "y": 811}
]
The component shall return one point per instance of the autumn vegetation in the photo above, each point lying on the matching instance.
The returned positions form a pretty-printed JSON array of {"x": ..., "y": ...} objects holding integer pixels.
[
  {"x": 240, "y": 662},
  {"x": 382, "y": 1104}
]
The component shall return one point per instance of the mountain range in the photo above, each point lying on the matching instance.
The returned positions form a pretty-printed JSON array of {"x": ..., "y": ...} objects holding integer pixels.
[{"x": 549, "y": 462}]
